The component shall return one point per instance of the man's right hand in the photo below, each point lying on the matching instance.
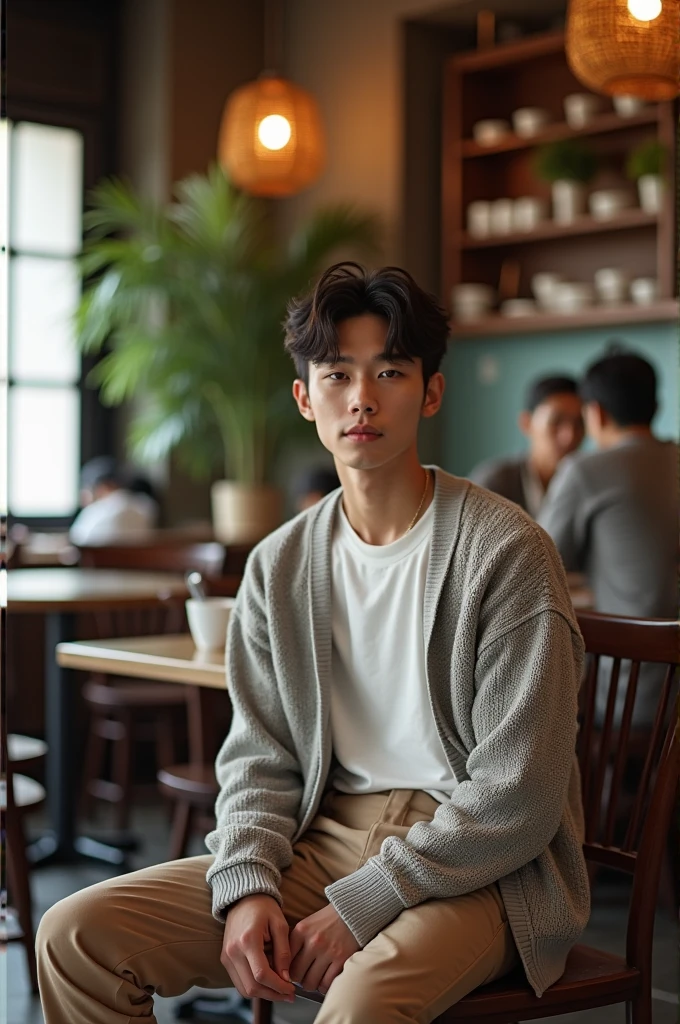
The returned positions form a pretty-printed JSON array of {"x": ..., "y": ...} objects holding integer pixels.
[{"x": 254, "y": 924}]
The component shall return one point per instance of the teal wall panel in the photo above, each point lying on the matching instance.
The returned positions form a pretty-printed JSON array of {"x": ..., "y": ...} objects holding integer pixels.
[{"x": 486, "y": 379}]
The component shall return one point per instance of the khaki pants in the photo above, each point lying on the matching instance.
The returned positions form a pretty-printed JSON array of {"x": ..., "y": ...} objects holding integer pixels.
[{"x": 104, "y": 951}]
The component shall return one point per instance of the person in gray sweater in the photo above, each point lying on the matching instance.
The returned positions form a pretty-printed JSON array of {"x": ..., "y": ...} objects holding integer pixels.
[
  {"x": 399, "y": 818},
  {"x": 552, "y": 422}
]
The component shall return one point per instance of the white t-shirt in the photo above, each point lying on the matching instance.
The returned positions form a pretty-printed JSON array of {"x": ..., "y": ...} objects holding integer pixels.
[
  {"x": 117, "y": 518},
  {"x": 382, "y": 725}
]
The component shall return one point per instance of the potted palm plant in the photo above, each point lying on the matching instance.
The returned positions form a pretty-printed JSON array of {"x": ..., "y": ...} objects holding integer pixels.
[{"x": 187, "y": 301}]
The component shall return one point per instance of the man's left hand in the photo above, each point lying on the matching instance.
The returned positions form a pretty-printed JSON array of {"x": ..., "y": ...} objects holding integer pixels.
[{"x": 319, "y": 947}]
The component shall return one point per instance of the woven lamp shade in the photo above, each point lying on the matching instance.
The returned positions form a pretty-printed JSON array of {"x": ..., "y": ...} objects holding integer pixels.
[
  {"x": 254, "y": 166},
  {"x": 614, "y": 53}
]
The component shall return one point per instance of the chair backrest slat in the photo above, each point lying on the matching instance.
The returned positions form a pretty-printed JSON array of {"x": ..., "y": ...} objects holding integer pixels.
[
  {"x": 629, "y": 764},
  {"x": 620, "y": 754}
]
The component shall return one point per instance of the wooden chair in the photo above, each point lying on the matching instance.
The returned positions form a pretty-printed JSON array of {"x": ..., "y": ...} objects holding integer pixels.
[
  {"x": 207, "y": 558},
  {"x": 18, "y": 794},
  {"x": 592, "y": 977}
]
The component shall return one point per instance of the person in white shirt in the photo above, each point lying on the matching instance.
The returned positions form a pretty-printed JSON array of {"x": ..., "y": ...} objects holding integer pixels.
[{"x": 111, "y": 512}]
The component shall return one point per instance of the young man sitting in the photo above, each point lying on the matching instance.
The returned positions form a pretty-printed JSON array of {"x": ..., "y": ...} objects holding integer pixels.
[{"x": 399, "y": 819}]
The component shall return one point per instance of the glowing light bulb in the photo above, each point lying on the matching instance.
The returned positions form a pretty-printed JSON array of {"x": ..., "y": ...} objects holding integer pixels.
[
  {"x": 645, "y": 10},
  {"x": 273, "y": 131}
]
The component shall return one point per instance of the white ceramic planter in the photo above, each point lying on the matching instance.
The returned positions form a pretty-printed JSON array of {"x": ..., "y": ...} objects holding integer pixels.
[
  {"x": 650, "y": 191},
  {"x": 569, "y": 201},
  {"x": 244, "y": 514}
]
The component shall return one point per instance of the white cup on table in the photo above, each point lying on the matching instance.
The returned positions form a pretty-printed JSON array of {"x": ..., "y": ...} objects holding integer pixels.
[{"x": 208, "y": 621}]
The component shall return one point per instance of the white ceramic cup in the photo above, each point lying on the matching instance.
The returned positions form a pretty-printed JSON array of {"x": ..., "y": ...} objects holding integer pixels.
[
  {"x": 572, "y": 297},
  {"x": 644, "y": 290},
  {"x": 208, "y": 621},
  {"x": 606, "y": 203},
  {"x": 628, "y": 106},
  {"x": 501, "y": 216},
  {"x": 471, "y": 301},
  {"x": 580, "y": 108},
  {"x": 518, "y": 308},
  {"x": 543, "y": 286},
  {"x": 479, "y": 218},
  {"x": 490, "y": 131},
  {"x": 528, "y": 212},
  {"x": 611, "y": 285},
  {"x": 529, "y": 121}
]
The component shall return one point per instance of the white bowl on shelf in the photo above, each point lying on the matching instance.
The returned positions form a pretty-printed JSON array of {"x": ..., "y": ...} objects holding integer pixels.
[
  {"x": 571, "y": 297},
  {"x": 628, "y": 106},
  {"x": 471, "y": 301},
  {"x": 529, "y": 121},
  {"x": 543, "y": 286},
  {"x": 607, "y": 203},
  {"x": 644, "y": 291},
  {"x": 490, "y": 131},
  {"x": 580, "y": 108},
  {"x": 516, "y": 308}
]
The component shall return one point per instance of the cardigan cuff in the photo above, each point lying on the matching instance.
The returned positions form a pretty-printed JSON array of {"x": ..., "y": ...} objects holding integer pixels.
[
  {"x": 238, "y": 880},
  {"x": 366, "y": 901}
]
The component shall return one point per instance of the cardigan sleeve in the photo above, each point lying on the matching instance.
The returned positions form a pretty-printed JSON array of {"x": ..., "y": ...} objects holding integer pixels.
[
  {"x": 508, "y": 811},
  {"x": 257, "y": 767}
]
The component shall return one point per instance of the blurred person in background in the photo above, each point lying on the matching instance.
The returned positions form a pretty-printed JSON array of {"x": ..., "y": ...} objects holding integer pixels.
[
  {"x": 613, "y": 513},
  {"x": 113, "y": 509},
  {"x": 314, "y": 484},
  {"x": 553, "y": 423}
]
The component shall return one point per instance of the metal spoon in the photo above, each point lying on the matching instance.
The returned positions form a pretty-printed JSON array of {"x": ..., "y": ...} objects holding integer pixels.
[{"x": 194, "y": 582}]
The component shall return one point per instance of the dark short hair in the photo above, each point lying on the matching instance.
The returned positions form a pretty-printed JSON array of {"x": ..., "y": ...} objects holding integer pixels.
[
  {"x": 540, "y": 390},
  {"x": 417, "y": 324},
  {"x": 624, "y": 384}
]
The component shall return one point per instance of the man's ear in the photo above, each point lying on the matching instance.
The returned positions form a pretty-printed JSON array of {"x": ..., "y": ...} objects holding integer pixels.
[
  {"x": 301, "y": 396},
  {"x": 524, "y": 421},
  {"x": 434, "y": 392}
]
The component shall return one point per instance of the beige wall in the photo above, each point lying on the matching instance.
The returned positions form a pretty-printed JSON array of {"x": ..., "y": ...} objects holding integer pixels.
[{"x": 348, "y": 54}]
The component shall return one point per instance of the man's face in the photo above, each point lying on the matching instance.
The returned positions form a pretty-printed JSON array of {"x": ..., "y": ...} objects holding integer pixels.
[
  {"x": 555, "y": 427},
  {"x": 366, "y": 408}
]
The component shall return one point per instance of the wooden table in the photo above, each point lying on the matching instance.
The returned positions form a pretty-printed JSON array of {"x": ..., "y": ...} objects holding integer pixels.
[
  {"x": 167, "y": 659},
  {"x": 59, "y": 594}
]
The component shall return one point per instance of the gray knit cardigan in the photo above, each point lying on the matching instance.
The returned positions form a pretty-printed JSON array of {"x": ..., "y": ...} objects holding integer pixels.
[{"x": 504, "y": 657}]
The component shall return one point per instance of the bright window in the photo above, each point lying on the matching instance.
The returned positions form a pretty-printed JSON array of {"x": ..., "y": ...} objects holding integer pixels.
[{"x": 45, "y": 233}]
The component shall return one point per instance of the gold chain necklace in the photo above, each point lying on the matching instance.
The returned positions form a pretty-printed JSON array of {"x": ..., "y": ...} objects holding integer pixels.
[{"x": 427, "y": 484}]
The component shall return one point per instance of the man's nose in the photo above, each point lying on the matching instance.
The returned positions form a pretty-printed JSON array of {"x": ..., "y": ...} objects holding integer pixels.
[{"x": 363, "y": 400}]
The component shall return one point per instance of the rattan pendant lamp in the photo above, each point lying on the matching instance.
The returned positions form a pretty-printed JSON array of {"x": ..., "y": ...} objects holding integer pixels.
[
  {"x": 620, "y": 47},
  {"x": 271, "y": 138}
]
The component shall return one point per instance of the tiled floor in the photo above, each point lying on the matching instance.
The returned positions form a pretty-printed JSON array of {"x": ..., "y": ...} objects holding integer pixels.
[{"x": 607, "y": 930}]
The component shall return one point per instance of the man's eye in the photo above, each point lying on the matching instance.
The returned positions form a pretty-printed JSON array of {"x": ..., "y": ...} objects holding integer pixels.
[
  {"x": 390, "y": 373},
  {"x": 336, "y": 375}
]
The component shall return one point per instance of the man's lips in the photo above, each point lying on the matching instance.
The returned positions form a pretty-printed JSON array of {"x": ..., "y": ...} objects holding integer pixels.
[{"x": 363, "y": 433}]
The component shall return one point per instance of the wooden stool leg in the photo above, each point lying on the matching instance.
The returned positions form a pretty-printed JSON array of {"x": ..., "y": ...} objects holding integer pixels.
[
  {"x": 165, "y": 739},
  {"x": 122, "y": 771},
  {"x": 262, "y": 1011},
  {"x": 181, "y": 830},
  {"x": 94, "y": 763},
  {"x": 19, "y": 887}
]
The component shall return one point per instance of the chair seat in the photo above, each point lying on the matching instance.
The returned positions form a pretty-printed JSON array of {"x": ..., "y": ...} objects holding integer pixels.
[
  {"x": 591, "y": 978},
  {"x": 24, "y": 748},
  {"x": 135, "y": 695},
  {"x": 194, "y": 782}
]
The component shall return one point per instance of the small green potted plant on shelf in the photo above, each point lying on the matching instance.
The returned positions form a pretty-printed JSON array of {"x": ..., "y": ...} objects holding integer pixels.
[
  {"x": 188, "y": 301},
  {"x": 568, "y": 166},
  {"x": 646, "y": 165}
]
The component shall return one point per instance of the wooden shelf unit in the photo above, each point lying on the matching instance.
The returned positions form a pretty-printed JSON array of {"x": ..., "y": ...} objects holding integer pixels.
[{"x": 534, "y": 72}]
